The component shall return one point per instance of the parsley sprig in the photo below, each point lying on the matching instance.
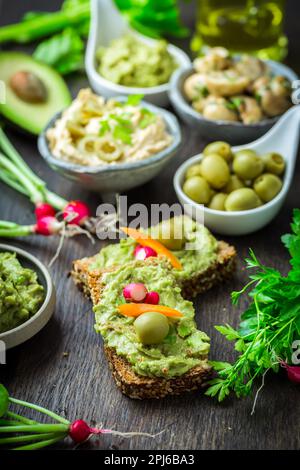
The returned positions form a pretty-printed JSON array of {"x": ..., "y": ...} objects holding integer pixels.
[{"x": 269, "y": 325}]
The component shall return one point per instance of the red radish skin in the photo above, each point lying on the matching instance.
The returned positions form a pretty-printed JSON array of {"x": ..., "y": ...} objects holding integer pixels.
[
  {"x": 293, "y": 372},
  {"x": 152, "y": 298},
  {"x": 43, "y": 209},
  {"x": 48, "y": 225},
  {"x": 80, "y": 431},
  {"x": 143, "y": 252},
  {"x": 136, "y": 292},
  {"x": 76, "y": 213}
]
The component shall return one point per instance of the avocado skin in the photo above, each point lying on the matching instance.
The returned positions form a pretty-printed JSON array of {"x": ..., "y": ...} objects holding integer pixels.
[{"x": 28, "y": 116}]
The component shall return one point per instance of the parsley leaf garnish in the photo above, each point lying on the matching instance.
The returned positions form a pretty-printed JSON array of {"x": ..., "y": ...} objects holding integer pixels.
[
  {"x": 147, "y": 118},
  {"x": 134, "y": 100}
]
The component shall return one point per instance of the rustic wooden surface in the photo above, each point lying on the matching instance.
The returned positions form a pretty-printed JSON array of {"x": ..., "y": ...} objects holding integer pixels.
[{"x": 80, "y": 384}]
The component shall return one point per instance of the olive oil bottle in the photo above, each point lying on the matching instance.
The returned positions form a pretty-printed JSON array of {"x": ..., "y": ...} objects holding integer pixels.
[{"x": 252, "y": 26}]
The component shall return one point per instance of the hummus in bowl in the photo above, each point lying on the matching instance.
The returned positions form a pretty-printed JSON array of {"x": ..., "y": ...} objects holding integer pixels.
[
  {"x": 93, "y": 131},
  {"x": 110, "y": 145}
]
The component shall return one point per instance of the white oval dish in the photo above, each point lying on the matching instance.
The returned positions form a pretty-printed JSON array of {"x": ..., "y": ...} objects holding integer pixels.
[
  {"x": 107, "y": 24},
  {"x": 282, "y": 138},
  {"x": 31, "y": 327}
]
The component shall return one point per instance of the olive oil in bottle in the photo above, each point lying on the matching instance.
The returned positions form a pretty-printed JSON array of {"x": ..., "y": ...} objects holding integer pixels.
[{"x": 252, "y": 26}]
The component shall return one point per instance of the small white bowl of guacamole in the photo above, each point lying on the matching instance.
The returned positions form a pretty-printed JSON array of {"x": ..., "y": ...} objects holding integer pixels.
[
  {"x": 27, "y": 296},
  {"x": 118, "y": 57}
]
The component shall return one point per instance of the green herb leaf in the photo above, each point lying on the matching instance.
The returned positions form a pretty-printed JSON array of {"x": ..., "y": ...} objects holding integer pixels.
[
  {"x": 64, "y": 52},
  {"x": 104, "y": 128},
  {"x": 122, "y": 133},
  {"x": 269, "y": 325},
  {"x": 4, "y": 395},
  {"x": 134, "y": 100},
  {"x": 147, "y": 118}
]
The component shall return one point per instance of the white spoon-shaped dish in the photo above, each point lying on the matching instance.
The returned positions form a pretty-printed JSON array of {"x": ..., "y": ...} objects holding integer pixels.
[
  {"x": 282, "y": 138},
  {"x": 107, "y": 24}
]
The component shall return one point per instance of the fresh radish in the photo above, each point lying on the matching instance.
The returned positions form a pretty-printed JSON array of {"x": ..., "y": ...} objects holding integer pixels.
[
  {"x": 43, "y": 209},
  {"x": 143, "y": 252},
  {"x": 79, "y": 431},
  {"x": 48, "y": 225},
  {"x": 152, "y": 298},
  {"x": 293, "y": 372},
  {"x": 136, "y": 292},
  {"x": 76, "y": 213}
]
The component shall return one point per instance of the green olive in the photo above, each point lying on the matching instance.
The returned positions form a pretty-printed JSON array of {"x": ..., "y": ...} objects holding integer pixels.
[
  {"x": 267, "y": 186},
  {"x": 151, "y": 327},
  {"x": 249, "y": 152},
  {"x": 221, "y": 148},
  {"x": 170, "y": 233},
  {"x": 274, "y": 163},
  {"x": 215, "y": 170},
  {"x": 247, "y": 166},
  {"x": 194, "y": 170},
  {"x": 233, "y": 184},
  {"x": 218, "y": 202},
  {"x": 197, "y": 189},
  {"x": 241, "y": 200}
]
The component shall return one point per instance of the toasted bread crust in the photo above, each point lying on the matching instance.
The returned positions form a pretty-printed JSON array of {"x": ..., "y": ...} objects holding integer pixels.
[
  {"x": 219, "y": 271},
  {"x": 140, "y": 387}
]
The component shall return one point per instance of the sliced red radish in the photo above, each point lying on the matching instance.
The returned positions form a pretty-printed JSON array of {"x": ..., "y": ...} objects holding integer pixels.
[
  {"x": 152, "y": 298},
  {"x": 143, "y": 252},
  {"x": 136, "y": 292}
]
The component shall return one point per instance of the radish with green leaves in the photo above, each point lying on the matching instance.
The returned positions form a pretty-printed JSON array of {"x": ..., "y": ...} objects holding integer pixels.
[
  {"x": 26, "y": 434},
  {"x": 15, "y": 172}
]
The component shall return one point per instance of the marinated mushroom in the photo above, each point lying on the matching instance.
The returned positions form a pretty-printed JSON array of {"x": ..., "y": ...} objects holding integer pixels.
[
  {"x": 250, "y": 111},
  {"x": 194, "y": 86},
  {"x": 273, "y": 105},
  {"x": 226, "y": 83},
  {"x": 216, "y": 109},
  {"x": 218, "y": 58},
  {"x": 251, "y": 67}
]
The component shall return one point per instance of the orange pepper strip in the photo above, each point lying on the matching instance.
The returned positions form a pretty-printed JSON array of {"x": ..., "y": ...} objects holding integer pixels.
[
  {"x": 145, "y": 240},
  {"x": 135, "y": 310}
]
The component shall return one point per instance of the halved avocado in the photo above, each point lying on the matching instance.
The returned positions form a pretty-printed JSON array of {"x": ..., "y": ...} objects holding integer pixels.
[{"x": 31, "y": 112}]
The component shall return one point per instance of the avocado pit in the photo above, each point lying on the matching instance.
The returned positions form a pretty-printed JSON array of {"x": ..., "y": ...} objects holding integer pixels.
[{"x": 28, "y": 87}]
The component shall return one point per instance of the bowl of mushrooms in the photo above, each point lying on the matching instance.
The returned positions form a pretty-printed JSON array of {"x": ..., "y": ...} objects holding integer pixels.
[{"x": 234, "y": 98}]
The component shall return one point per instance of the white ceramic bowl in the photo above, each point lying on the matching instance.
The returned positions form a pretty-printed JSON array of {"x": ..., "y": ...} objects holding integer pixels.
[
  {"x": 108, "y": 24},
  {"x": 31, "y": 327},
  {"x": 118, "y": 177},
  {"x": 282, "y": 138}
]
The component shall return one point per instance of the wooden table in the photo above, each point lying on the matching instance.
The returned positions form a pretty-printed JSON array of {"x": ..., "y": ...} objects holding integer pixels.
[{"x": 80, "y": 385}]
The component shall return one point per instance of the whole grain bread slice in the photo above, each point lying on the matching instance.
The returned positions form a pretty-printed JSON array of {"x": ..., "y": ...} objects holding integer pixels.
[
  {"x": 219, "y": 271},
  {"x": 137, "y": 386}
]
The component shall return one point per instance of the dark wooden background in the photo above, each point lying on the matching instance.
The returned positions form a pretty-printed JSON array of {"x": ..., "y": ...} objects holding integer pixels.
[{"x": 80, "y": 385}]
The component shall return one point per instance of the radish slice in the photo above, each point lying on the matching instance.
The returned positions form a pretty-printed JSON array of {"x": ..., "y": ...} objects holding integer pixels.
[
  {"x": 152, "y": 298},
  {"x": 143, "y": 252},
  {"x": 135, "y": 292}
]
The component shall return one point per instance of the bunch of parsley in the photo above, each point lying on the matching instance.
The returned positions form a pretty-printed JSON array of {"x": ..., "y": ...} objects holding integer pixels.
[{"x": 269, "y": 325}]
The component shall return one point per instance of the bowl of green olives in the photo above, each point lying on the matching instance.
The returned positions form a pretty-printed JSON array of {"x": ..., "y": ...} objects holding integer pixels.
[{"x": 241, "y": 188}]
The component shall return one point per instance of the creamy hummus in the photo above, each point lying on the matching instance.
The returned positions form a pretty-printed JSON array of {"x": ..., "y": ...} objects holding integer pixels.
[{"x": 93, "y": 132}]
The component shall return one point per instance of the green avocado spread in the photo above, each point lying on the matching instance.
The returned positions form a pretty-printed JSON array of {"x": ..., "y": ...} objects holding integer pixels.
[
  {"x": 182, "y": 349},
  {"x": 20, "y": 293},
  {"x": 130, "y": 62},
  {"x": 195, "y": 247}
]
